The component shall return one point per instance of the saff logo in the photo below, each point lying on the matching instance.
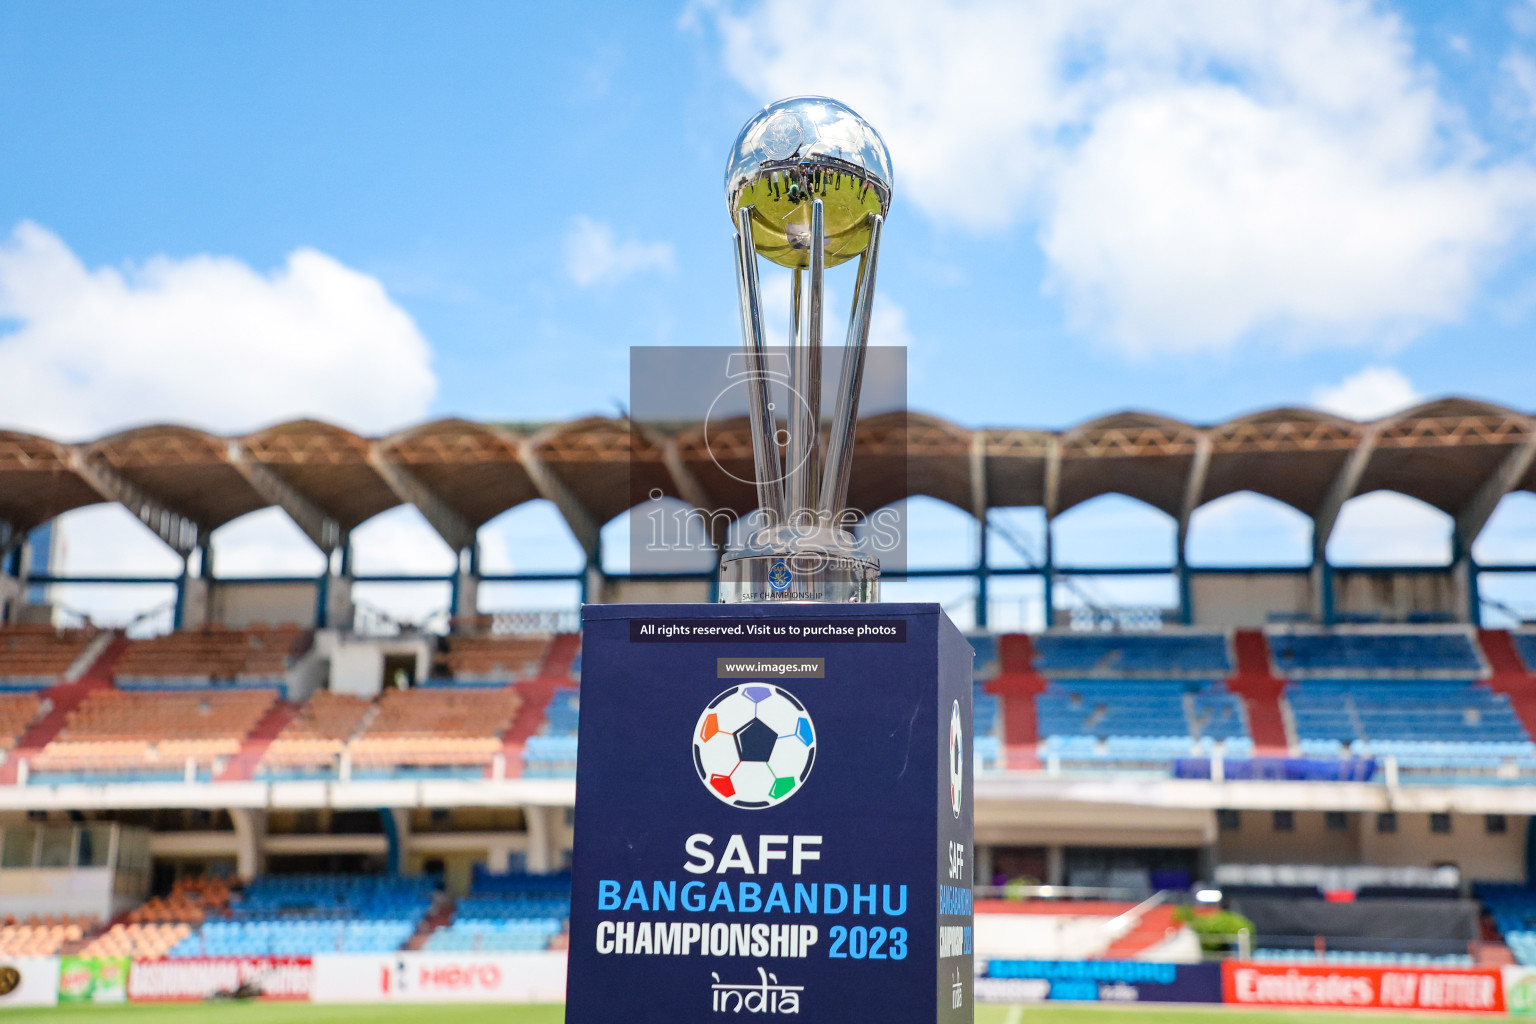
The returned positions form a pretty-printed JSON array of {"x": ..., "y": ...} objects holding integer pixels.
[
  {"x": 956, "y": 760},
  {"x": 779, "y": 577},
  {"x": 754, "y": 746},
  {"x": 10, "y": 980}
]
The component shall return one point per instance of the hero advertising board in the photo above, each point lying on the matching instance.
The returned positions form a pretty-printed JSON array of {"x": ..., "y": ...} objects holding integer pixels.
[{"x": 773, "y": 816}]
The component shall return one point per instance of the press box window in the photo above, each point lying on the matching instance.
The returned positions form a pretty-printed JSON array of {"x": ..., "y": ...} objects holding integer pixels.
[
  {"x": 1285, "y": 821},
  {"x": 1386, "y": 823},
  {"x": 1495, "y": 824},
  {"x": 1336, "y": 821},
  {"x": 1229, "y": 821},
  {"x": 1440, "y": 824}
]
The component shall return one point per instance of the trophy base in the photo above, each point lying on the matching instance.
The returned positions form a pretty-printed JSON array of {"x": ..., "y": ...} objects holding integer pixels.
[{"x": 805, "y": 576}]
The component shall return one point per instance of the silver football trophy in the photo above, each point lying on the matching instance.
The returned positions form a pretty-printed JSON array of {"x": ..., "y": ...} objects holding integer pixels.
[{"x": 808, "y": 187}]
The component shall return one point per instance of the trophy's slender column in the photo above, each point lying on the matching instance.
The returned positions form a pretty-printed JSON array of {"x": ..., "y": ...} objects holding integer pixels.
[
  {"x": 765, "y": 428},
  {"x": 805, "y": 431},
  {"x": 834, "y": 480}
]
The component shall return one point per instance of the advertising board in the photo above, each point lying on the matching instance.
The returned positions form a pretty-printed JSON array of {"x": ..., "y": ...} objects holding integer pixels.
[
  {"x": 29, "y": 981},
  {"x": 1475, "y": 990},
  {"x": 773, "y": 815},
  {"x": 439, "y": 978},
  {"x": 1520, "y": 989},
  {"x": 156, "y": 981},
  {"x": 1109, "y": 981},
  {"x": 93, "y": 979}
]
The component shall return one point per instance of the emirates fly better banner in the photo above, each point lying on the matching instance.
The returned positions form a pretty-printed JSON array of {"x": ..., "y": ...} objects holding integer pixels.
[
  {"x": 773, "y": 816},
  {"x": 1393, "y": 988}
]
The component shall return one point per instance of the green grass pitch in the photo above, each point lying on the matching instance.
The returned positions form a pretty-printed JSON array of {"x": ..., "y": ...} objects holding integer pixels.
[{"x": 301, "y": 1013}]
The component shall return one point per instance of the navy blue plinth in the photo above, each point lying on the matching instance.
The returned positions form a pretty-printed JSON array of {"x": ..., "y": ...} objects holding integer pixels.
[{"x": 753, "y": 845}]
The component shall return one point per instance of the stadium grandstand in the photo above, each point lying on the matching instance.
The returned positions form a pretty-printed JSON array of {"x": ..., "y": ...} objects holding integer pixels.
[{"x": 1342, "y": 755}]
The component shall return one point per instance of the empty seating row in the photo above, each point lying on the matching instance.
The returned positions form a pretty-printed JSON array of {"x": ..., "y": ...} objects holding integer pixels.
[
  {"x": 301, "y": 915},
  {"x": 294, "y": 938},
  {"x": 1362, "y": 958},
  {"x": 1430, "y": 719},
  {"x": 1143, "y": 707},
  {"x": 1399, "y": 654},
  {"x": 1525, "y": 646},
  {"x": 41, "y": 936},
  {"x": 436, "y": 727},
  {"x": 192, "y": 658},
  {"x": 986, "y": 663},
  {"x": 506, "y": 913},
  {"x": 494, "y": 659},
  {"x": 319, "y": 732},
  {"x": 1182, "y": 655},
  {"x": 119, "y": 729},
  {"x": 551, "y": 753},
  {"x": 17, "y": 711},
  {"x": 189, "y": 901},
  {"x": 1513, "y": 910},
  {"x": 137, "y": 941},
  {"x": 34, "y": 657}
]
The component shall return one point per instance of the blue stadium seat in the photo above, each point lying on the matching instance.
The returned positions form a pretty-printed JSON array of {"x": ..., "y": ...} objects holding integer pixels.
[
  {"x": 300, "y": 915},
  {"x": 551, "y": 754},
  {"x": 506, "y": 914},
  {"x": 1140, "y": 720},
  {"x": 1403, "y": 654},
  {"x": 1109, "y": 655},
  {"x": 986, "y": 665}
]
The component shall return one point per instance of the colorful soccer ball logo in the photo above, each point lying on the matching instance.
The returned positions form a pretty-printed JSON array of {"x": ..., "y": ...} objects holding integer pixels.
[{"x": 754, "y": 746}]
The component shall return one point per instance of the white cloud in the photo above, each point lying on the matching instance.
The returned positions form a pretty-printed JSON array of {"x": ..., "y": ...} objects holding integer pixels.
[
  {"x": 1198, "y": 170},
  {"x": 400, "y": 540},
  {"x": 1245, "y": 528},
  {"x": 265, "y": 543},
  {"x": 205, "y": 340},
  {"x": 1372, "y": 393},
  {"x": 595, "y": 255},
  {"x": 1387, "y": 528}
]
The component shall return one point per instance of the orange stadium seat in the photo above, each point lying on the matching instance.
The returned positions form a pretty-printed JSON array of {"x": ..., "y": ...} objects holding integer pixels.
[
  {"x": 36, "y": 656},
  {"x": 317, "y": 736},
  {"x": 41, "y": 936},
  {"x": 431, "y": 726},
  {"x": 17, "y": 711},
  {"x": 120, "y": 729},
  {"x": 212, "y": 653},
  {"x": 137, "y": 941},
  {"x": 491, "y": 658},
  {"x": 189, "y": 901}
]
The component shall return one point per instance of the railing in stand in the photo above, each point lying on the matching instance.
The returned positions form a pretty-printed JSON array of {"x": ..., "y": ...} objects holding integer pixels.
[{"x": 535, "y": 622}]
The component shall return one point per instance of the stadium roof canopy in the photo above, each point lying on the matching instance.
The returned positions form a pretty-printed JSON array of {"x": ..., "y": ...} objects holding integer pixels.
[{"x": 1458, "y": 455}]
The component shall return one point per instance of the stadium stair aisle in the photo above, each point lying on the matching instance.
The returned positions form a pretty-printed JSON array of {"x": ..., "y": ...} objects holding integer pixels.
[
  {"x": 1509, "y": 675},
  {"x": 1260, "y": 688},
  {"x": 1018, "y": 684},
  {"x": 440, "y": 917},
  {"x": 65, "y": 697},
  {"x": 536, "y": 694},
  {"x": 1151, "y": 929},
  {"x": 243, "y": 765}
]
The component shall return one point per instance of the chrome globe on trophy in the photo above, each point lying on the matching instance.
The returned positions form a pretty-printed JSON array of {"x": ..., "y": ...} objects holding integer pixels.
[{"x": 808, "y": 187}]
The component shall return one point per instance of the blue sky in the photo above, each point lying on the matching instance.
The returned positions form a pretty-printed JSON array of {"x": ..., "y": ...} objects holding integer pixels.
[{"x": 404, "y": 210}]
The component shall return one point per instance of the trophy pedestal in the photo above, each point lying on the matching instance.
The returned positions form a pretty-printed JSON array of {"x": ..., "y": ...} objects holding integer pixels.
[{"x": 773, "y": 816}]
